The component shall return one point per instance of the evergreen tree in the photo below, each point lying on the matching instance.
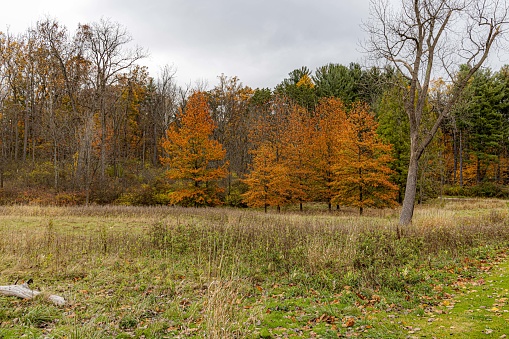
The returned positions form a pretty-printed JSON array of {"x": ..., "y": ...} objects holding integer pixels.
[
  {"x": 393, "y": 128},
  {"x": 339, "y": 81},
  {"x": 485, "y": 125},
  {"x": 299, "y": 87}
]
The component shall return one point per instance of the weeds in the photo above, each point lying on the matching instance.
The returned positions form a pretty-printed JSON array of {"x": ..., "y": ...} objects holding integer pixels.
[{"x": 218, "y": 273}]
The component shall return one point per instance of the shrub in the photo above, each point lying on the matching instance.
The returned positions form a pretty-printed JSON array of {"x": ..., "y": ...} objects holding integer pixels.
[{"x": 483, "y": 190}]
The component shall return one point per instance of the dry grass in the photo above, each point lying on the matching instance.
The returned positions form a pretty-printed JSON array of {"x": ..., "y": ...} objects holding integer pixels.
[{"x": 164, "y": 271}]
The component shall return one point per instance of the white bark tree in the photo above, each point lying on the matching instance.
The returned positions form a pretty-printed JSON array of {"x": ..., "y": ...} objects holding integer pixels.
[{"x": 427, "y": 39}]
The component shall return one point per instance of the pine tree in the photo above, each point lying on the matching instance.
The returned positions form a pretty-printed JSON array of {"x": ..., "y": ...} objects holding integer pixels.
[
  {"x": 393, "y": 128},
  {"x": 299, "y": 87},
  {"x": 486, "y": 132}
]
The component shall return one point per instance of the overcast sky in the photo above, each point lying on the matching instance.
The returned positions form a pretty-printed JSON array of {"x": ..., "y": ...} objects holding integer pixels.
[{"x": 260, "y": 41}]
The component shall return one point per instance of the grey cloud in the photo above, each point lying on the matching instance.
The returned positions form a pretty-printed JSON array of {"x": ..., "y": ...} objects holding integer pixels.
[{"x": 258, "y": 41}]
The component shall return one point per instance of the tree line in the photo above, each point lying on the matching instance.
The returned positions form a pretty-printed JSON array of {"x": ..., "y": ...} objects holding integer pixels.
[{"x": 82, "y": 122}]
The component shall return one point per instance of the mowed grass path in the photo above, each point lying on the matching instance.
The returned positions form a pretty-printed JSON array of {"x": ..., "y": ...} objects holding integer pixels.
[{"x": 477, "y": 308}]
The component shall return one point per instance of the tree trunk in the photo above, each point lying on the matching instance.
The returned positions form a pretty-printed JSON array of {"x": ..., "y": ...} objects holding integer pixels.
[
  {"x": 455, "y": 155},
  {"x": 25, "y": 132},
  {"x": 55, "y": 163},
  {"x": 24, "y": 292},
  {"x": 478, "y": 170},
  {"x": 461, "y": 159},
  {"x": 103, "y": 138},
  {"x": 154, "y": 141},
  {"x": 16, "y": 137},
  {"x": 407, "y": 210}
]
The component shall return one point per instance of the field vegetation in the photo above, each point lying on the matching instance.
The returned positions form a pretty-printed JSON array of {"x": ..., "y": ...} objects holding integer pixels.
[{"x": 171, "y": 272}]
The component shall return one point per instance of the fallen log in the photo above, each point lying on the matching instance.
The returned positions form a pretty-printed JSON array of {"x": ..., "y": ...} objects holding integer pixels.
[{"x": 24, "y": 292}]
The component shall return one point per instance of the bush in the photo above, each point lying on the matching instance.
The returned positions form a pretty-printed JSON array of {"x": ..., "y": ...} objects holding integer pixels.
[
  {"x": 70, "y": 198},
  {"x": 489, "y": 190},
  {"x": 483, "y": 190},
  {"x": 234, "y": 198}
]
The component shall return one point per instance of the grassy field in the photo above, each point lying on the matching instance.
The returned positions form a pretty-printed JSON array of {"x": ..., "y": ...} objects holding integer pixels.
[{"x": 165, "y": 272}]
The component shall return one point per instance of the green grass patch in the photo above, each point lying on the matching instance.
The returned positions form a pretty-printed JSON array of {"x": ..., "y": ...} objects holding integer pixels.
[{"x": 130, "y": 272}]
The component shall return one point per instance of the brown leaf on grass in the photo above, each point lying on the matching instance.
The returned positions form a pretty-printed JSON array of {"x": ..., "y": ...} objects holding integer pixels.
[
  {"x": 360, "y": 296},
  {"x": 329, "y": 319},
  {"x": 479, "y": 282},
  {"x": 349, "y": 322}
]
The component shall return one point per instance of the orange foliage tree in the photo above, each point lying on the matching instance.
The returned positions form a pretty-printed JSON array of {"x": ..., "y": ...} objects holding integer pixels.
[
  {"x": 325, "y": 149},
  {"x": 362, "y": 177},
  {"x": 297, "y": 151},
  {"x": 269, "y": 180},
  {"x": 272, "y": 180},
  {"x": 193, "y": 157}
]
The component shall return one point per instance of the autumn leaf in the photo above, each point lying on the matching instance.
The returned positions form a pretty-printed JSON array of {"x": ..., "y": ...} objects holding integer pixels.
[{"x": 349, "y": 322}]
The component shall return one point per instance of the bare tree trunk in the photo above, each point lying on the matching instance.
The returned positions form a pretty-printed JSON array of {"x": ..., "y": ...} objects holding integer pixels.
[
  {"x": 461, "y": 158},
  {"x": 25, "y": 132},
  {"x": 55, "y": 162},
  {"x": 407, "y": 210},
  {"x": 455, "y": 154},
  {"x": 24, "y": 292},
  {"x": 154, "y": 148},
  {"x": 102, "y": 113},
  {"x": 421, "y": 39},
  {"x": 16, "y": 137}
]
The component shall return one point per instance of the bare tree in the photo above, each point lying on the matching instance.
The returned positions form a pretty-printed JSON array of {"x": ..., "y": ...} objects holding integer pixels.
[
  {"x": 427, "y": 39},
  {"x": 166, "y": 107},
  {"x": 109, "y": 55}
]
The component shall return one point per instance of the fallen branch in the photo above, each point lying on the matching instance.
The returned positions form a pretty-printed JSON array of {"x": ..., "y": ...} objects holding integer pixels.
[{"x": 24, "y": 292}]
